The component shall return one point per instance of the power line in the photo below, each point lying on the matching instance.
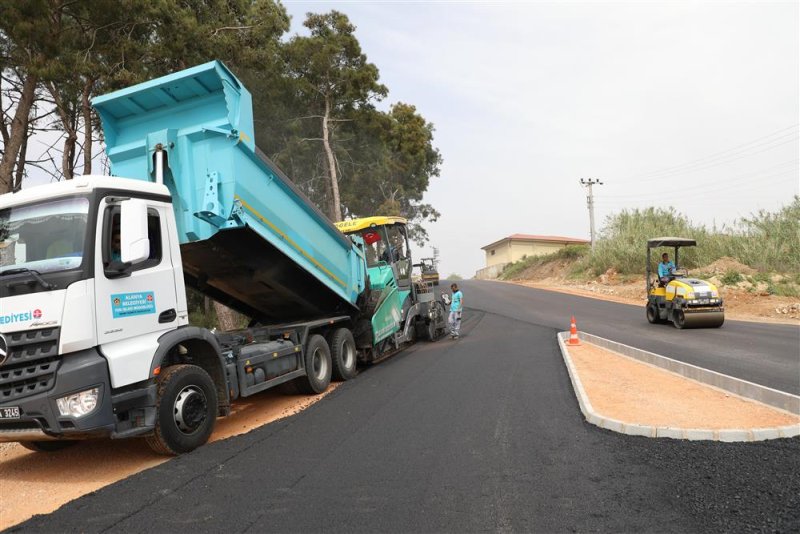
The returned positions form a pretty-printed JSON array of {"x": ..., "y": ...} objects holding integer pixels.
[
  {"x": 722, "y": 182},
  {"x": 766, "y": 142}
]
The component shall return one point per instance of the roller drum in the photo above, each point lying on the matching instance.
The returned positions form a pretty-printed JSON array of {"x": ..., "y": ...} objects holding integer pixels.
[{"x": 703, "y": 319}]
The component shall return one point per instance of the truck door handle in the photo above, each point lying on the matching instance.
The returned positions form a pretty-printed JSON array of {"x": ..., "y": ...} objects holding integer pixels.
[{"x": 167, "y": 316}]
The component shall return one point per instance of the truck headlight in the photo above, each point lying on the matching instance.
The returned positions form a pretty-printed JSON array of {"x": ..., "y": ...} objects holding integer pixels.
[
  {"x": 690, "y": 295},
  {"x": 78, "y": 404},
  {"x": 715, "y": 293}
]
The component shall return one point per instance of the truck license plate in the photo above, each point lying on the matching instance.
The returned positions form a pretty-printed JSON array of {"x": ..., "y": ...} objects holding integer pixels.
[{"x": 9, "y": 412}]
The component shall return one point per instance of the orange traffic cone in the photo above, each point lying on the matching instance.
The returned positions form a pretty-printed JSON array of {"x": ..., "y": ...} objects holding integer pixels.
[{"x": 573, "y": 333}]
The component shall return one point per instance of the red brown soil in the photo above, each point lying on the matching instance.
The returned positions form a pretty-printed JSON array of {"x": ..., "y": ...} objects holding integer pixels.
[{"x": 634, "y": 392}]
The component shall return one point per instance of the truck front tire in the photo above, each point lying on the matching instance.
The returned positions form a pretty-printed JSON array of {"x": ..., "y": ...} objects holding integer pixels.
[
  {"x": 47, "y": 446},
  {"x": 186, "y": 410},
  {"x": 317, "y": 359},
  {"x": 343, "y": 354}
]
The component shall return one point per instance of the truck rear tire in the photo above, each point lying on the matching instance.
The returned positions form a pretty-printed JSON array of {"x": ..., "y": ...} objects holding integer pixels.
[
  {"x": 343, "y": 354},
  {"x": 47, "y": 446},
  {"x": 317, "y": 359},
  {"x": 186, "y": 410}
]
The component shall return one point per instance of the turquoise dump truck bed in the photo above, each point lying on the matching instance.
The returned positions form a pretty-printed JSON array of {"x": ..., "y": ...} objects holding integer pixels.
[{"x": 248, "y": 237}]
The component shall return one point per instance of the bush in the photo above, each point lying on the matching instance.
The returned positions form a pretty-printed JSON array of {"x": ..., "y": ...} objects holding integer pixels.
[
  {"x": 731, "y": 278},
  {"x": 766, "y": 241},
  {"x": 570, "y": 252}
]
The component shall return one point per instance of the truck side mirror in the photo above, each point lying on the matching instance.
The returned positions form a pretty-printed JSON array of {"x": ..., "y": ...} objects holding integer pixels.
[{"x": 134, "y": 241}]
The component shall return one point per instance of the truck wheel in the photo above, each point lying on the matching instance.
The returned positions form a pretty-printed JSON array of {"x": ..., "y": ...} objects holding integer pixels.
[
  {"x": 343, "y": 354},
  {"x": 317, "y": 358},
  {"x": 47, "y": 446},
  {"x": 186, "y": 410}
]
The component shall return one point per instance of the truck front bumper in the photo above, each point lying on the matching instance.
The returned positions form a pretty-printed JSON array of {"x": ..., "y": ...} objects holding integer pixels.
[{"x": 40, "y": 418}]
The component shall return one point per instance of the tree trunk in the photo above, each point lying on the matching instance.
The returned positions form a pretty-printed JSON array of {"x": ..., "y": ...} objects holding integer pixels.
[
  {"x": 227, "y": 319},
  {"x": 69, "y": 122},
  {"x": 19, "y": 173},
  {"x": 335, "y": 212},
  {"x": 87, "y": 127},
  {"x": 68, "y": 155},
  {"x": 19, "y": 130}
]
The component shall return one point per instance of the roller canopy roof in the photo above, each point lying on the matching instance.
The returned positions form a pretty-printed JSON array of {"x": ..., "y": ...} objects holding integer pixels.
[
  {"x": 670, "y": 242},
  {"x": 356, "y": 225}
]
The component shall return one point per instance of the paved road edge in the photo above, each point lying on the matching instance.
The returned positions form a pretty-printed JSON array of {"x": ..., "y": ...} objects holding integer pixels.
[{"x": 785, "y": 401}]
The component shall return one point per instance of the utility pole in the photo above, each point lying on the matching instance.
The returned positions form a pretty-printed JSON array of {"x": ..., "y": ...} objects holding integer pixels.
[{"x": 590, "y": 203}]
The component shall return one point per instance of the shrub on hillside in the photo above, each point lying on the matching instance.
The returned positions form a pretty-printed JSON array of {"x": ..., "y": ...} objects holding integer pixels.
[
  {"x": 569, "y": 252},
  {"x": 766, "y": 241}
]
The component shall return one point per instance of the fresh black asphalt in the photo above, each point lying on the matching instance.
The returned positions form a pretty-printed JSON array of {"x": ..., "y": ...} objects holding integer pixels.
[
  {"x": 767, "y": 354},
  {"x": 479, "y": 434}
]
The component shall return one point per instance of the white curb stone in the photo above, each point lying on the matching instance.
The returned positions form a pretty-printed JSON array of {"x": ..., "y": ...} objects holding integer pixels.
[{"x": 777, "y": 399}]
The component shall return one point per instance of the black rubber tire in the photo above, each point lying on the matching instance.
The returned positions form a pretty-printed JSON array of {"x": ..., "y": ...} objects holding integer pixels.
[
  {"x": 185, "y": 392},
  {"x": 317, "y": 359},
  {"x": 48, "y": 446},
  {"x": 430, "y": 331},
  {"x": 652, "y": 314},
  {"x": 679, "y": 319},
  {"x": 343, "y": 354}
]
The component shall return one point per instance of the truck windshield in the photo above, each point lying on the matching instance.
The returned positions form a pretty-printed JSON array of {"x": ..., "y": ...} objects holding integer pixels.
[{"x": 47, "y": 236}]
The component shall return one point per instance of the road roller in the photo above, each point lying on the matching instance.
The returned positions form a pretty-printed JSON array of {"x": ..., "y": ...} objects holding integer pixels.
[{"x": 677, "y": 298}]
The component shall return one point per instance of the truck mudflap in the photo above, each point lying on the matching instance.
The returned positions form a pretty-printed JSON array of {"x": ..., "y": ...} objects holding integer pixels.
[{"x": 37, "y": 417}]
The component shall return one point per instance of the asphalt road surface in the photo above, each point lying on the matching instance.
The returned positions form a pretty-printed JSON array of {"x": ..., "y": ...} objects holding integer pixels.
[
  {"x": 479, "y": 434},
  {"x": 767, "y": 354}
]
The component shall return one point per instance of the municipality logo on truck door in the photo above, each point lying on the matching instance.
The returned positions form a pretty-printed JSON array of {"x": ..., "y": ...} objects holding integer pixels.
[{"x": 132, "y": 304}]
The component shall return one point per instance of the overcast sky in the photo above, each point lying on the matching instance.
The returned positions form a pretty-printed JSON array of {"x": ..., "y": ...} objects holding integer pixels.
[{"x": 685, "y": 104}]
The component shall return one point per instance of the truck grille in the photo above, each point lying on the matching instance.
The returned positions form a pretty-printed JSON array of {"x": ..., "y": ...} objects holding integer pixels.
[{"x": 31, "y": 363}]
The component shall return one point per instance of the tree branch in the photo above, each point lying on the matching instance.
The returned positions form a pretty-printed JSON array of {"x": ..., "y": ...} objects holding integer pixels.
[{"x": 230, "y": 28}]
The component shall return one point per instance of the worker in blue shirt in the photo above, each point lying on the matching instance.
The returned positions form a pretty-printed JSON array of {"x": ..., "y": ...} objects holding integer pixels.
[
  {"x": 666, "y": 269},
  {"x": 456, "y": 305}
]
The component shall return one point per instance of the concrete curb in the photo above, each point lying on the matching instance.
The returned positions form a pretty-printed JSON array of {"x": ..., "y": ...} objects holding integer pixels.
[{"x": 774, "y": 398}]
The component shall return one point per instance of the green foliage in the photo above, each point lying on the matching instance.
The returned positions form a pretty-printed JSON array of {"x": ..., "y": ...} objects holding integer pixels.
[
  {"x": 570, "y": 252},
  {"x": 384, "y": 160},
  {"x": 731, "y": 278},
  {"x": 76, "y": 50},
  {"x": 768, "y": 242},
  {"x": 454, "y": 277}
]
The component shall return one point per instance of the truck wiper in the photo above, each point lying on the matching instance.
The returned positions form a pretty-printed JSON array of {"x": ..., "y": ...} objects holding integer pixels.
[{"x": 34, "y": 274}]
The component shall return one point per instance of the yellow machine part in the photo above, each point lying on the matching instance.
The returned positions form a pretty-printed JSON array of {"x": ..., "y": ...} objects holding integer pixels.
[
  {"x": 355, "y": 225},
  {"x": 693, "y": 316},
  {"x": 681, "y": 288}
]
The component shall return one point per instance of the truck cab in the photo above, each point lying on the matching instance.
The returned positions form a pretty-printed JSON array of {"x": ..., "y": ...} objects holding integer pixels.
[{"x": 90, "y": 280}]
